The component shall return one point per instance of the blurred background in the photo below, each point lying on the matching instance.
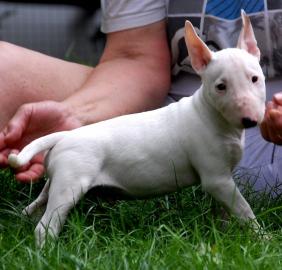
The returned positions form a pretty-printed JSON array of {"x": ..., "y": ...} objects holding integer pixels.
[{"x": 68, "y": 30}]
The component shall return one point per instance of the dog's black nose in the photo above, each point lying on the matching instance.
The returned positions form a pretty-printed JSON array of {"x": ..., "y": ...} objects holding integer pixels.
[{"x": 248, "y": 123}]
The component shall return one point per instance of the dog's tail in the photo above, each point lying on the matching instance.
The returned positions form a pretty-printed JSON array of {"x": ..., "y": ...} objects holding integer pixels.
[{"x": 35, "y": 147}]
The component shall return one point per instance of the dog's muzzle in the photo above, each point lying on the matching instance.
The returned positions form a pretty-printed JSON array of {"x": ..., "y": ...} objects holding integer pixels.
[{"x": 248, "y": 123}]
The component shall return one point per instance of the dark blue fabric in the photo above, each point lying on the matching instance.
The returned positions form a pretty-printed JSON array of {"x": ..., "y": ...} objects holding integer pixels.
[
  {"x": 231, "y": 9},
  {"x": 261, "y": 165}
]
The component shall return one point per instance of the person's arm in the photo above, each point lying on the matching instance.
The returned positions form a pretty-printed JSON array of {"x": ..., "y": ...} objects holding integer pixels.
[{"x": 133, "y": 75}]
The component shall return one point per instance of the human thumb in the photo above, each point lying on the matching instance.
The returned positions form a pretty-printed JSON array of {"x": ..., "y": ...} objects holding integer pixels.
[
  {"x": 277, "y": 98},
  {"x": 16, "y": 126}
]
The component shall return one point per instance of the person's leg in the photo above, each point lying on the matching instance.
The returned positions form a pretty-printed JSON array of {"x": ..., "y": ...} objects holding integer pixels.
[
  {"x": 260, "y": 167},
  {"x": 28, "y": 76}
]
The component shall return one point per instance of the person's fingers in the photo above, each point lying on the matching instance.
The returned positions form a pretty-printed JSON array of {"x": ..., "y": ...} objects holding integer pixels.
[
  {"x": 274, "y": 126},
  {"x": 23, "y": 168},
  {"x": 3, "y": 161},
  {"x": 264, "y": 124},
  {"x": 32, "y": 171},
  {"x": 2, "y": 140},
  {"x": 17, "y": 125},
  {"x": 275, "y": 117},
  {"x": 38, "y": 159},
  {"x": 33, "y": 174},
  {"x": 271, "y": 126},
  {"x": 270, "y": 105},
  {"x": 264, "y": 131},
  {"x": 4, "y": 157},
  {"x": 277, "y": 98}
]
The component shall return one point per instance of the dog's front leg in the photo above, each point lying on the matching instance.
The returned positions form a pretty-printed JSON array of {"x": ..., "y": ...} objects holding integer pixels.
[{"x": 224, "y": 190}]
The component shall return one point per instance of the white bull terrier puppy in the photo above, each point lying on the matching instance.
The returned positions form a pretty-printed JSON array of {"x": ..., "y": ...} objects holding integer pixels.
[{"x": 196, "y": 140}]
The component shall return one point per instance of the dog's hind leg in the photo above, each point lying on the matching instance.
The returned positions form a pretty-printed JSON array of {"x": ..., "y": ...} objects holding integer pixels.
[
  {"x": 40, "y": 202},
  {"x": 62, "y": 198}
]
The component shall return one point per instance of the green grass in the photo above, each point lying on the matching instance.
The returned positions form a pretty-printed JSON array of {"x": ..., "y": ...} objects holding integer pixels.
[{"x": 181, "y": 231}]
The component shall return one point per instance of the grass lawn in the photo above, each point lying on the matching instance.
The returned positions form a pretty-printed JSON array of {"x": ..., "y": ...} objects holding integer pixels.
[{"x": 181, "y": 231}]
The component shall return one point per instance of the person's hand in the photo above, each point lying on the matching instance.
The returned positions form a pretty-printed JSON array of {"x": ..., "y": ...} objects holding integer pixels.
[
  {"x": 271, "y": 126},
  {"x": 32, "y": 121}
]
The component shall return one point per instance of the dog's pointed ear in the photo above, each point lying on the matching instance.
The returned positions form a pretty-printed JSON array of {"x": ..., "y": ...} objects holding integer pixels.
[
  {"x": 199, "y": 53},
  {"x": 247, "y": 40}
]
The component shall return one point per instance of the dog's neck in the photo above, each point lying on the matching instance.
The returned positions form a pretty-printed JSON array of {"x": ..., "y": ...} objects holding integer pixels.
[{"x": 212, "y": 117}]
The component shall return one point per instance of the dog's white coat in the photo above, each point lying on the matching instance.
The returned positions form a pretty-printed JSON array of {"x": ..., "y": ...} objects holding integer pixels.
[{"x": 196, "y": 140}]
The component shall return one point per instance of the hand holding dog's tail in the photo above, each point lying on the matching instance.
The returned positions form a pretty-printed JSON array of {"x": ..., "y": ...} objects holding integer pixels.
[{"x": 35, "y": 147}]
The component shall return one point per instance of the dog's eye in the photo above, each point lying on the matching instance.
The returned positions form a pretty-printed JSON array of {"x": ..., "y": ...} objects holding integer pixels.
[
  {"x": 221, "y": 87},
  {"x": 254, "y": 79}
]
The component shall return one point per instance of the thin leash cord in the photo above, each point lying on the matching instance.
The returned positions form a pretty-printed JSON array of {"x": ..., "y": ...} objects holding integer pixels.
[{"x": 273, "y": 154}]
